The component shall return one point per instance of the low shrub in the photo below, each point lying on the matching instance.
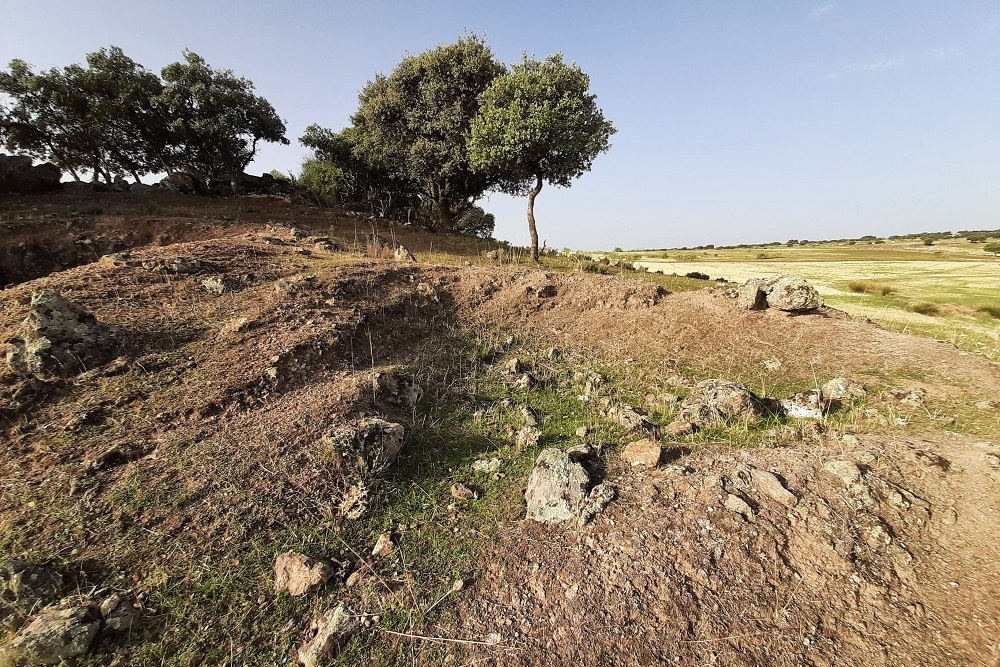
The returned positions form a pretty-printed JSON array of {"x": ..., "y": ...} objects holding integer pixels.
[
  {"x": 594, "y": 267},
  {"x": 925, "y": 308},
  {"x": 992, "y": 310},
  {"x": 697, "y": 275},
  {"x": 870, "y": 287}
]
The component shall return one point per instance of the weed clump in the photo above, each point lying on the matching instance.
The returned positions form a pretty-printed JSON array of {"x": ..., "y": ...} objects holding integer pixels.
[
  {"x": 925, "y": 308},
  {"x": 991, "y": 310},
  {"x": 870, "y": 287}
]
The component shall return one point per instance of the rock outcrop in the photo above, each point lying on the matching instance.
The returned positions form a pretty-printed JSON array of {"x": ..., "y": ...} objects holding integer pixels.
[
  {"x": 788, "y": 292},
  {"x": 18, "y": 175},
  {"x": 59, "y": 339}
]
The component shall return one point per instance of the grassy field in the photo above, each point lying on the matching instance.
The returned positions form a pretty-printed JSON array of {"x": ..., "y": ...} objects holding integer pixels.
[{"x": 949, "y": 291}]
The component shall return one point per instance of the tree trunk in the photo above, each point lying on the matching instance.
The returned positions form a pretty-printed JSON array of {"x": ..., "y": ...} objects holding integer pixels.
[
  {"x": 234, "y": 181},
  {"x": 446, "y": 218},
  {"x": 531, "y": 216}
]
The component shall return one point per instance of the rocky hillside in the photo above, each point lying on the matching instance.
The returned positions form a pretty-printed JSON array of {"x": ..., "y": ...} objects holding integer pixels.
[{"x": 247, "y": 433}]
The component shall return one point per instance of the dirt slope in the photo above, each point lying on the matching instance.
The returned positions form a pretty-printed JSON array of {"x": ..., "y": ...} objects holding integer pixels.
[{"x": 178, "y": 473}]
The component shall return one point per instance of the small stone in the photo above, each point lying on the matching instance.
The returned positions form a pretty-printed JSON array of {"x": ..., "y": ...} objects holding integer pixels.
[
  {"x": 489, "y": 466},
  {"x": 462, "y": 492},
  {"x": 298, "y": 574},
  {"x": 846, "y": 471},
  {"x": 769, "y": 484},
  {"x": 556, "y": 488},
  {"x": 679, "y": 429},
  {"x": 383, "y": 546},
  {"x": 525, "y": 381},
  {"x": 527, "y": 438},
  {"x": 512, "y": 366},
  {"x": 629, "y": 417},
  {"x": 599, "y": 497},
  {"x": 642, "y": 453},
  {"x": 583, "y": 431},
  {"x": 805, "y": 405},
  {"x": 528, "y": 416},
  {"x": 736, "y": 504},
  {"x": 840, "y": 389}
]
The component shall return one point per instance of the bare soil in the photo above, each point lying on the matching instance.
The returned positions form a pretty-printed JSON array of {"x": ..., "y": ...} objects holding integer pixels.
[{"x": 179, "y": 473}]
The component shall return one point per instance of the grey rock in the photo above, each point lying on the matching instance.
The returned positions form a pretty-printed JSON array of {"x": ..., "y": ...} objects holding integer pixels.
[
  {"x": 375, "y": 442},
  {"x": 751, "y": 296},
  {"x": 331, "y": 630},
  {"x": 397, "y": 388},
  {"x": 840, "y": 389},
  {"x": 792, "y": 293},
  {"x": 557, "y": 488},
  {"x": 24, "y": 589},
  {"x": 717, "y": 401},
  {"x": 805, "y": 405},
  {"x": 59, "y": 339},
  {"x": 54, "y": 636},
  {"x": 489, "y": 466},
  {"x": 631, "y": 418},
  {"x": 599, "y": 497}
]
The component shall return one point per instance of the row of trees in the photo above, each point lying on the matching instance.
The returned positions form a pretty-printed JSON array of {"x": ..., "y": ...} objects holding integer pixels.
[
  {"x": 453, "y": 123},
  {"x": 113, "y": 117},
  {"x": 427, "y": 141}
]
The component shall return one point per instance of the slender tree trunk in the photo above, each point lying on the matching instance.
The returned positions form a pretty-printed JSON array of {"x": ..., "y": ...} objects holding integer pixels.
[{"x": 531, "y": 216}]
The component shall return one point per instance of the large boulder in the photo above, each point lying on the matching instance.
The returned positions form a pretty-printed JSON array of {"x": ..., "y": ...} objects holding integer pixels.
[
  {"x": 715, "y": 402},
  {"x": 184, "y": 183},
  {"x": 792, "y": 293},
  {"x": 18, "y": 175},
  {"x": 560, "y": 488},
  {"x": 59, "y": 339}
]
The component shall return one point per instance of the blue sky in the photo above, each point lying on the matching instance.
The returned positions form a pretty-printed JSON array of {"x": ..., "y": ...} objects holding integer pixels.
[{"x": 737, "y": 121}]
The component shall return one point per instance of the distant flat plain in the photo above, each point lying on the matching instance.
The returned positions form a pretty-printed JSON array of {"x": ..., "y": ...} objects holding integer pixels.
[{"x": 956, "y": 276}]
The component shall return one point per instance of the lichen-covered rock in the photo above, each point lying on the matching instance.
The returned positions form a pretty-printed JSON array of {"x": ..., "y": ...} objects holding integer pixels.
[
  {"x": 24, "y": 588},
  {"x": 840, "y": 389},
  {"x": 374, "y": 443},
  {"x": 805, "y": 405},
  {"x": 54, "y": 636},
  {"x": 715, "y": 402},
  {"x": 751, "y": 296},
  {"x": 59, "y": 339},
  {"x": 556, "y": 488},
  {"x": 331, "y": 630},
  {"x": 792, "y": 293}
]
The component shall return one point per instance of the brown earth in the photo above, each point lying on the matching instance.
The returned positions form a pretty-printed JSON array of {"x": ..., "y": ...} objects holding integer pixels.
[{"x": 181, "y": 471}]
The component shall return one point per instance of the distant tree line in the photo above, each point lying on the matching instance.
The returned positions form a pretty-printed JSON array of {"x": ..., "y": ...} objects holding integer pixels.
[
  {"x": 112, "y": 118},
  {"x": 450, "y": 124}
]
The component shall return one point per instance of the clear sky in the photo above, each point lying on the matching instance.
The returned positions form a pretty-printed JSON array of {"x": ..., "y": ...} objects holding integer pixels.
[{"x": 737, "y": 122}]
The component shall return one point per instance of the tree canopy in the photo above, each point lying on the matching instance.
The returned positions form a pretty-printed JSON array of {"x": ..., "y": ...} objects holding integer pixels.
[
  {"x": 214, "y": 118},
  {"x": 538, "y": 124},
  {"x": 416, "y": 122},
  {"x": 112, "y": 117}
]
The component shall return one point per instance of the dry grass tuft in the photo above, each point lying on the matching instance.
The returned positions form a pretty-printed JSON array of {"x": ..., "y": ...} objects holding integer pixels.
[
  {"x": 925, "y": 308},
  {"x": 870, "y": 287}
]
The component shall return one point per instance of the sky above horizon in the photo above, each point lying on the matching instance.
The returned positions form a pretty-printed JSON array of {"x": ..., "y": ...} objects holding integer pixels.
[{"x": 738, "y": 122}]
